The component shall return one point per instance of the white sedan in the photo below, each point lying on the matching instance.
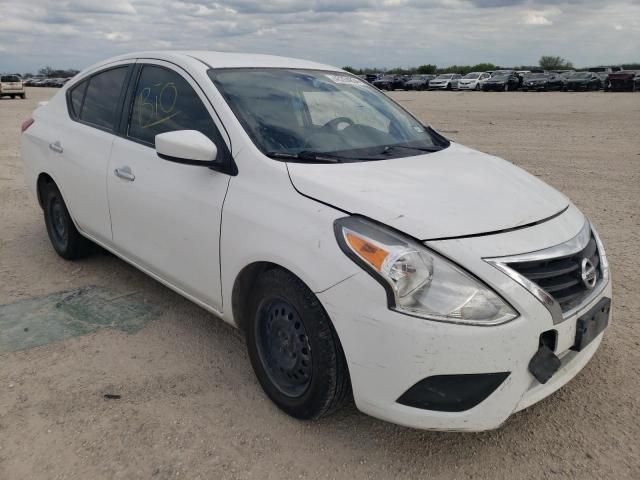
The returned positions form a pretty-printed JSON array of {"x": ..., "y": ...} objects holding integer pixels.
[
  {"x": 361, "y": 252},
  {"x": 473, "y": 81}
]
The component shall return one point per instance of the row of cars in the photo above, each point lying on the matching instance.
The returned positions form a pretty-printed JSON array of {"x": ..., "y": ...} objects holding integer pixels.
[
  {"x": 12, "y": 85},
  {"x": 509, "y": 80},
  {"x": 45, "y": 82}
]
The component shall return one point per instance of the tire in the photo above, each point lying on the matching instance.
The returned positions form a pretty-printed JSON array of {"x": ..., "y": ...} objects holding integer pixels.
[
  {"x": 290, "y": 335},
  {"x": 13, "y": 97},
  {"x": 449, "y": 86},
  {"x": 64, "y": 237},
  {"x": 506, "y": 87},
  {"x": 23, "y": 96}
]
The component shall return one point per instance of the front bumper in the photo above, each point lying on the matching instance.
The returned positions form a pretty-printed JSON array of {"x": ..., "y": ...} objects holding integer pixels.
[
  {"x": 497, "y": 87},
  {"x": 467, "y": 86},
  {"x": 438, "y": 86},
  {"x": 388, "y": 352}
]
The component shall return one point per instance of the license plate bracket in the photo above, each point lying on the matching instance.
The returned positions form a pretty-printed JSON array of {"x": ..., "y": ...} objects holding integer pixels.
[{"x": 592, "y": 324}]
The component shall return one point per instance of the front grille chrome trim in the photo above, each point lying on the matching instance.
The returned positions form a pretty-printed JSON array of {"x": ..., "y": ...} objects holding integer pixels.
[{"x": 566, "y": 249}]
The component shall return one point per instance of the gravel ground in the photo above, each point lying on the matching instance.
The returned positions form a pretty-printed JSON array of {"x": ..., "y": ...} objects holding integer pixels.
[{"x": 190, "y": 405}]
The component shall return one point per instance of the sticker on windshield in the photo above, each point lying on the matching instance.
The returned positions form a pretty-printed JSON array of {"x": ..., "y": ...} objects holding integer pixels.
[{"x": 346, "y": 80}]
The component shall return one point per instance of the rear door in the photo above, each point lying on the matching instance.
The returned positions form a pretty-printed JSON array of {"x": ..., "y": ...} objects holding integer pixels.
[
  {"x": 166, "y": 216},
  {"x": 81, "y": 145}
]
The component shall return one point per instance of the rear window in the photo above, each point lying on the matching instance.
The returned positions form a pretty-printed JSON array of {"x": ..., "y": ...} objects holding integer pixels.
[
  {"x": 102, "y": 97},
  {"x": 10, "y": 79}
]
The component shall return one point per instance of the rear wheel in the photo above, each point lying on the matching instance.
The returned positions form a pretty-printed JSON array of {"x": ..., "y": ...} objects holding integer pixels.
[
  {"x": 23, "y": 96},
  {"x": 64, "y": 236},
  {"x": 294, "y": 350}
]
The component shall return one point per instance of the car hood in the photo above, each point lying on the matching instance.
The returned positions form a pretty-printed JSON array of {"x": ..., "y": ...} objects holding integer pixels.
[{"x": 455, "y": 192}]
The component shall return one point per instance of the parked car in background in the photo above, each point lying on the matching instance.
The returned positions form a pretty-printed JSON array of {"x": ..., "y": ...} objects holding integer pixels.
[
  {"x": 473, "y": 81},
  {"x": 603, "y": 73},
  {"x": 502, "y": 82},
  {"x": 371, "y": 77},
  {"x": 445, "y": 81},
  {"x": 389, "y": 82},
  {"x": 12, "y": 86},
  {"x": 546, "y": 81},
  {"x": 418, "y": 82},
  {"x": 449, "y": 318},
  {"x": 583, "y": 81},
  {"x": 624, "y": 81}
]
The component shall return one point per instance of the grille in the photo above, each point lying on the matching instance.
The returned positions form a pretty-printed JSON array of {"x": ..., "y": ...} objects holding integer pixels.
[{"x": 561, "y": 277}]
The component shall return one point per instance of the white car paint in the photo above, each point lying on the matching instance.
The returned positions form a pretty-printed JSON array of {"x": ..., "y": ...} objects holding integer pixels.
[
  {"x": 448, "y": 81},
  {"x": 473, "y": 83},
  {"x": 196, "y": 230}
]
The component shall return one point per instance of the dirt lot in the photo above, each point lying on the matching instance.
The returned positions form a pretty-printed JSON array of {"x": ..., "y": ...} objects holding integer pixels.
[{"x": 190, "y": 405}]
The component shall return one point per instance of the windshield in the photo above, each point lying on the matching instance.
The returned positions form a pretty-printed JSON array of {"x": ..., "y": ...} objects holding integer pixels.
[
  {"x": 499, "y": 76},
  {"x": 537, "y": 75},
  {"x": 10, "y": 78},
  {"x": 445, "y": 76},
  {"x": 581, "y": 75},
  {"x": 472, "y": 75},
  {"x": 302, "y": 113}
]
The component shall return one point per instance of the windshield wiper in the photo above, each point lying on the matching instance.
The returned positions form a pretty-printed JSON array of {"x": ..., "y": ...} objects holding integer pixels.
[
  {"x": 307, "y": 156},
  {"x": 388, "y": 148}
]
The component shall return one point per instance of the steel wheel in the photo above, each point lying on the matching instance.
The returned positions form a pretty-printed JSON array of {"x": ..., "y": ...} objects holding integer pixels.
[
  {"x": 283, "y": 347},
  {"x": 59, "y": 227}
]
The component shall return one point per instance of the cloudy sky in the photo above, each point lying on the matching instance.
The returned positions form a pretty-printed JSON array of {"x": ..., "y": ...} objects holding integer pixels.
[{"x": 76, "y": 33}]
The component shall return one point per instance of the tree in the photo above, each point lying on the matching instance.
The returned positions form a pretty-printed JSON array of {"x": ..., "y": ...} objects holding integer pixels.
[
  {"x": 631, "y": 66},
  {"x": 350, "y": 69},
  {"x": 548, "y": 62},
  {"x": 427, "y": 69},
  {"x": 46, "y": 71}
]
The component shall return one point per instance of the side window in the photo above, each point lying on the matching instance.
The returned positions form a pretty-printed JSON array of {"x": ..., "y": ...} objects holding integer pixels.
[
  {"x": 101, "y": 99},
  {"x": 77, "y": 96},
  {"x": 164, "y": 102}
]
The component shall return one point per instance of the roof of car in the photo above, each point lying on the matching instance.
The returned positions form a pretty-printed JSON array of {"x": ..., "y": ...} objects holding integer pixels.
[{"x": 229, "y": 59}]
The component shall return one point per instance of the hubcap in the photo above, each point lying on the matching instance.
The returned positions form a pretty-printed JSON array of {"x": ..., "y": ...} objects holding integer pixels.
[
  {"x": 58, "y": 221},
  {"x": 283, "y": 347}
]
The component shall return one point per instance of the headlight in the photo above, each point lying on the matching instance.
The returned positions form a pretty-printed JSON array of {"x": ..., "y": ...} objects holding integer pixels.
[{"x": 418, "y": 281}]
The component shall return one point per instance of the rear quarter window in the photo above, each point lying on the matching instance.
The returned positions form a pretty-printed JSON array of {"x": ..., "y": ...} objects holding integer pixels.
[{"x": 76, "y": 96}]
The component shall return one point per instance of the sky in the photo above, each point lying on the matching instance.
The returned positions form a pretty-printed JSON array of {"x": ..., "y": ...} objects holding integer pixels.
[{"x": 359, "y": 33}]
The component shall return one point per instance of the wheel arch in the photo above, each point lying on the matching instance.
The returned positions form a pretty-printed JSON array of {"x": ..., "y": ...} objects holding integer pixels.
[
  {"x": 243, "y": 286},
  {"x": 43, "y": 180}
]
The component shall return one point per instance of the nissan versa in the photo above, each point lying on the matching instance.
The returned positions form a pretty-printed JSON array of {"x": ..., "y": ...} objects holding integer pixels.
[{"x": 362, "y": 253}]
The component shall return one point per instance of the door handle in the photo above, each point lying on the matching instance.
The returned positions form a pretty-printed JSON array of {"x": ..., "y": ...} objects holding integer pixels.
[
  {"x": 56, "y": 147},
  {"x": 124, "y": 173}
]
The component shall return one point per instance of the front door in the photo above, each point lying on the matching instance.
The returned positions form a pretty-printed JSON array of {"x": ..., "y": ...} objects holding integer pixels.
[{"x": 166, "y": 216}]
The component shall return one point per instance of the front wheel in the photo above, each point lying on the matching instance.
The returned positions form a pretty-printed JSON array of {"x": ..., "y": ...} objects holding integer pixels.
[
  {"x": 294, "y": 350},
  {"x": 64, "y": 237}
]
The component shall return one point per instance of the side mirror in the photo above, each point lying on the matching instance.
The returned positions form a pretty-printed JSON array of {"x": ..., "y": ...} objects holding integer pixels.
[{"x": 188, "y": 147}]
